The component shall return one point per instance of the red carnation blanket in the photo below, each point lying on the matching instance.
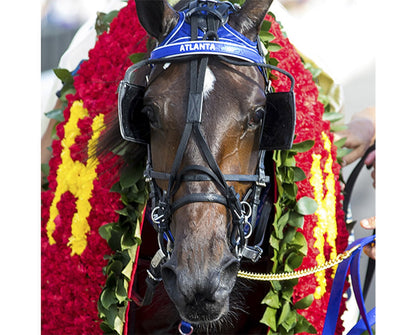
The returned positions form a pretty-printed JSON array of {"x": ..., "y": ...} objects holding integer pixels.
[{"x": 79, "y": 200}]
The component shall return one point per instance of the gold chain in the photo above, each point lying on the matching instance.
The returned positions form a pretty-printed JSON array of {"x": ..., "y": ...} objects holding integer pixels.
[{"x": 300, "y": 273}]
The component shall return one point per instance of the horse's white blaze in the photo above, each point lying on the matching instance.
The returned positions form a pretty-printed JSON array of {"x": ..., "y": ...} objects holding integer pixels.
[{"x": 209, "y": 82}]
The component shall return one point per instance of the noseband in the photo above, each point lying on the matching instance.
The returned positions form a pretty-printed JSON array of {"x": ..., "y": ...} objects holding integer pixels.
[{"x": 202, "y": 31}]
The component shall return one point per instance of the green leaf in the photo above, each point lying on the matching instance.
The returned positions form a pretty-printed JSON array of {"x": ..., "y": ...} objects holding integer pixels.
[
  {"x": 306, "y": 206},
  {"x": 266, "y": 36},
  {"x": 332, "y": 116},
  {"x": 121, "y": 290},
  {"x": 122, "y": 311},
  {"x": 273, "y": 47},
  {"x": 127, "y": 241},
  {"x": 124, "y": 211},
  {"x": 115, "y": 267},
  {"x": 277, "y": 159},
  {"x": 287, "y": 288},
  {"x": 56, "y": 114},
  {"x": 130, "y": 175},
  {"x": 290, "y": 322},
  {"x": 66, "y": 89},
  {"x": 269, "y": 318},
  {"x": 340, "y": 143},
  {"x": 109, "y": 17},
  {"x": 114, "y": 241},
  {"x": 118, "y": 325},
  {"x": 314, "y": 70},
  {"x": 276, "y": 285},
  {"x": 302, "y": 146},
  {"x": 275, "y": 62},
  {"x": 272, "y": 15},
  {"x": 108, "y": 298},
  {"x": 116, "y": 188},
  {"x": 106, "y": 328},
  {"x": 290, "y": 190},
  {"x": 132, "y": 252},
  {"x": 272, "y": 300},
  {"x": 111, "y": 316},
  {"x": 341, "y": 152},
  {"x": 305, "y": 302},
  {"x": 103, "y": 21},
  {"x": 289, "y": 234},
  {"x": 289, "y": 174},
  {"x": 281, "y": 223},
  {"x": 266, "y": 25},
  {"x": 127, "y": 270},
  {"x": 274, "y": 242},
  {"x": 303, "y": 326},
  {"x": 64, "y": 75},
  {"x": 284, "y": 313},
  {"x": 105, "y": 231},
  {"x": 299, "y": 174},
  {"x": 299, "y": 241},
  {"x": 296, "y": 220},
  {"x": 137, "y": 57},
  {"x": 293, "y": 261},
  {"x": 338, "y": 127},
  {"x": 44, "y": 168},
  {"x": 137, "y": 233},
  {"x": 289, "y": 161}
]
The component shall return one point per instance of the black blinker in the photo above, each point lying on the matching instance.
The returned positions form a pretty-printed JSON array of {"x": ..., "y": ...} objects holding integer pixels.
[
  {"x": 134, "y": 125},
  {"x": 279, "y": 123}
]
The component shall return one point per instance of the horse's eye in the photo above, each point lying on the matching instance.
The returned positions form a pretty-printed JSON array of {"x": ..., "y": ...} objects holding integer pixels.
[
  {"x": 256, "y": 117},
  {"x": 149, "y": 111}
]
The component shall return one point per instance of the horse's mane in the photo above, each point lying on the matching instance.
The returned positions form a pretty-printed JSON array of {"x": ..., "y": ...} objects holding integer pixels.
[{"x": 110, "y": 144}]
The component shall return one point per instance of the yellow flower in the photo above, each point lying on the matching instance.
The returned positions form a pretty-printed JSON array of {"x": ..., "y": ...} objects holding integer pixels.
[
  {"x": 326, "y": 212},
  {"x": 77, "y": 178}
]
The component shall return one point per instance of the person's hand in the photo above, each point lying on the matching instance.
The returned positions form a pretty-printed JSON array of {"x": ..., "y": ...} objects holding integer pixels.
[
  {"x": 369, "y": 250},
  {"x": 360, "y": 134}
]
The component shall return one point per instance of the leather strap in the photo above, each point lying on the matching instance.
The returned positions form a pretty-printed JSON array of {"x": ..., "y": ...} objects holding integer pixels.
[
  {"x": 198, "y": 197},
  {"x": 204, "y": 177},
  {"x": 352, "y": 179}
]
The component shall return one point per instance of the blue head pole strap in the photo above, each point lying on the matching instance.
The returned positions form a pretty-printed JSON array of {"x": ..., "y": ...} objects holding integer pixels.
[{"x": 368, "y": 319}]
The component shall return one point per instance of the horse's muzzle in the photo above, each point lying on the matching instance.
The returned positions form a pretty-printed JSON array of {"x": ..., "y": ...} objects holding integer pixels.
[{"x": 201, "y": 295}]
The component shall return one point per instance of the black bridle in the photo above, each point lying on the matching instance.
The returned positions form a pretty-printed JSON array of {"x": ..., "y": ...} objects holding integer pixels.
[
  {"x": 208, "y": 16},
  {"x": 164, "y": 206}
]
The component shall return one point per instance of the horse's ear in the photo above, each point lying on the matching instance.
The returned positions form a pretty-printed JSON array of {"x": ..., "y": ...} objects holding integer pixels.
[
  {"x": 249, "y": 18},
  {"x": 157, "y": 17}
]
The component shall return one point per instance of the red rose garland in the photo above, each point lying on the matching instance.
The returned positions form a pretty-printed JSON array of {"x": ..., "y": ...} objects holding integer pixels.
[
  {"x": 71, "y": 284},
  {"x": 72, "y": 280},
  {"x": 309, "y": 125}
]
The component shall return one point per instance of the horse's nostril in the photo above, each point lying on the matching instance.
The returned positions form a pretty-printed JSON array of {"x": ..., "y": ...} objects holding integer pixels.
[{"x": 229, "y": 269}]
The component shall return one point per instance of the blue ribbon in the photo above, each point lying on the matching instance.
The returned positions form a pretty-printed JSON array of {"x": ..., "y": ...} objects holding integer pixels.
[{"x": 352, "y": 263}]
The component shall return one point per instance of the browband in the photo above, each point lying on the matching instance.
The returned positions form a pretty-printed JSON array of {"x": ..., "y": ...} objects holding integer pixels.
[{"x": 229, "y": 43}]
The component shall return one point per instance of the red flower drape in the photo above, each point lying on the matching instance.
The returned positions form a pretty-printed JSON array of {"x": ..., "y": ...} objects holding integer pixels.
[{"x": 71, "y": 285}]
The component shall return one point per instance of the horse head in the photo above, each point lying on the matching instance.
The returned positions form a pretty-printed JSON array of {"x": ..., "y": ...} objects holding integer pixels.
[{"x": 222, "y": 140}]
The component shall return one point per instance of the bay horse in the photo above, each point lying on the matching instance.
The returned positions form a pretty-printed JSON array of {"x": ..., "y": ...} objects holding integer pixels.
[{"x": 200, "y": 114}]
